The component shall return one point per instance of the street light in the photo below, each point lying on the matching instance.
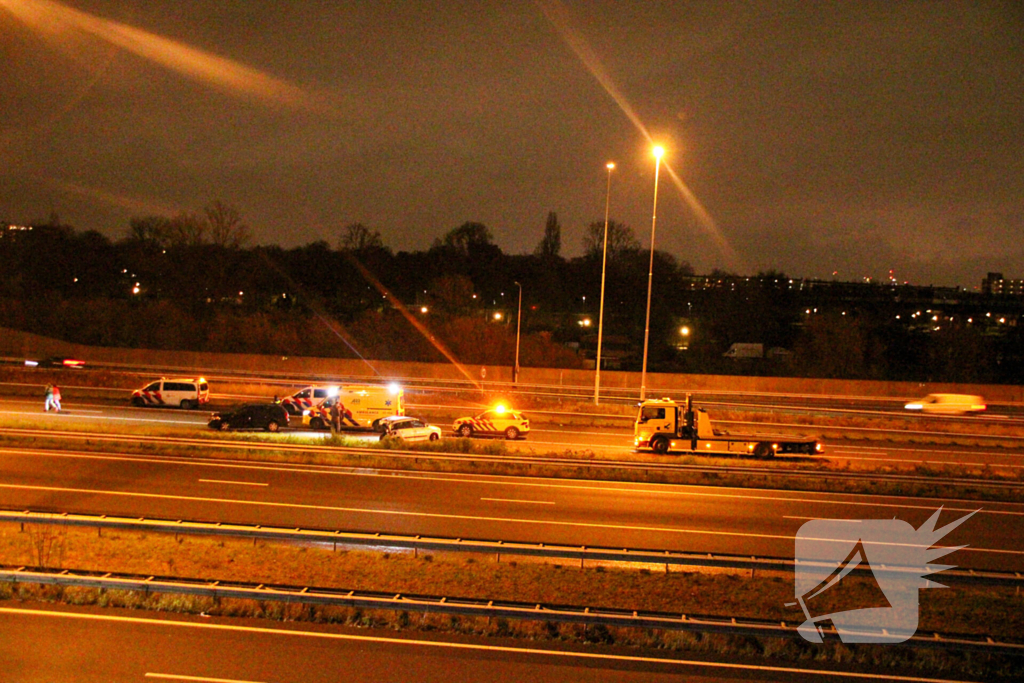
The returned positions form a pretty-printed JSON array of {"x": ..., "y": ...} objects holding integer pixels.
[
  {"x": 519, "y": 319},
  {"x": 604, "y": 262},
  {"x": 658, "y": 152}
]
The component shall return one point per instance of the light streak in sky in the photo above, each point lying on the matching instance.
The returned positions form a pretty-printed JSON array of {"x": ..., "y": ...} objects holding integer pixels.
[
  {"x": 121, "y": 200},
  {"x": 558, "y": 15},
  {"x": 420, "y": 327},
  {"x": 61, "y": 24}
]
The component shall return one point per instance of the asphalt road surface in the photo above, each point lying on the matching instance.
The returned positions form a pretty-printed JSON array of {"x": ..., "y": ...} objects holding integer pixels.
[
  {"x": 46, "y": 644},
  {"x": 575, "y": 512},
  {"x": 875, "y": 450}
]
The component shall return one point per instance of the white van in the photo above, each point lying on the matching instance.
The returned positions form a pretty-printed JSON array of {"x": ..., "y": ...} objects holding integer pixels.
[
  {"x": 948, "y": 404},
  {"x": 177, "y": 391}
]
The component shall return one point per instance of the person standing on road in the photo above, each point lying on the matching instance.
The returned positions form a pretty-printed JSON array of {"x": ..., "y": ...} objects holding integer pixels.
[
  {"x": 335, "y": 416},
  {"x": 49, "y": 398},
  {"x": 56, "y": 397}
]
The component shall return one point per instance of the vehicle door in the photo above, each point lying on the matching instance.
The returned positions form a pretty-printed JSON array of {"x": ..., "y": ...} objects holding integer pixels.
[
  {"x": 242, "y": 418},
  {"x": 414, "y": 430}
]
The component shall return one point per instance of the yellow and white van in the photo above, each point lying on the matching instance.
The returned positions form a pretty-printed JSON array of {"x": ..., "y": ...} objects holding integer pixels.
[{"x": 367, "y": 403}]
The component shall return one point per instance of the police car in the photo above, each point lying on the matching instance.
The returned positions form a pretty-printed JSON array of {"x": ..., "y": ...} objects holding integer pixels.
[
  {"x": 305, "y": 399},
  {"x": 500, "y": 421},
  {"x": 174, "y": 391}
]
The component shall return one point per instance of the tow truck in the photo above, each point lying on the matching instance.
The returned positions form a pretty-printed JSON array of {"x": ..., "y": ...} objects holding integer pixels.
[{"x": 664, "y": 425}]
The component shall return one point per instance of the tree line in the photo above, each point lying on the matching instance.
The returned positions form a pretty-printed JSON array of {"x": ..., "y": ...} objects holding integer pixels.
[{"x": 194, "y": 282}]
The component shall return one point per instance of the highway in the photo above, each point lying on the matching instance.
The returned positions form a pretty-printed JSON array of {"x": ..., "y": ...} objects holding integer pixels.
[
  {"x": 83, "y": 645},
  {"x": 875, "y": 449},
  {"x": 49, "y": 643},
  {"x": 593, "y": 513}
]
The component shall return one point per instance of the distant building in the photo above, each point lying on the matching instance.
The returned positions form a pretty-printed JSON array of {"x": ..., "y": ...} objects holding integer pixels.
[
  {"x": 11, "y": 231},
  {"x": 995, "y": 283}
]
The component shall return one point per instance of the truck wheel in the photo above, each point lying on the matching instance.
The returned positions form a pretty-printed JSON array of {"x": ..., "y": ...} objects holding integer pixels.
[
  {"x": 659, "y": 445},
  {"x": 223, "y": 426},
  {"x": 317, "y": 423},
  {"x": 764, "y": 450},
  {"x": 273, "y": 426},
  {"x": 466, "y": 431},
  {"x": 511, "y": 433},
  {"x": 138, "y": 402}
]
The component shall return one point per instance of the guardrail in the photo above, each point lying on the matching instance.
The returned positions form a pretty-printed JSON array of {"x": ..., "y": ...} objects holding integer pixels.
[
  {"x": 467, "y": 607},
  {"x": 666, "y": 558}
]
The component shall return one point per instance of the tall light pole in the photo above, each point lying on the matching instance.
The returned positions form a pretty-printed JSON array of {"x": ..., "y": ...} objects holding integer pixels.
[
  {"x": 658, "y": 152},
  {"x": 604, "y": 263},
  {"x": 519, "y": 320}
]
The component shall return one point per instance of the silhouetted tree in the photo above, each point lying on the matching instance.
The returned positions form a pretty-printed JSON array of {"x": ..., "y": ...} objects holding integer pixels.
[
  {"x": 358, "y": 237},
  {"x": 551, "y": 244},
  {"x": 620, "y": 239},
  {"x": 467, "y": 236},
  {"x": 226, "y": 226}
]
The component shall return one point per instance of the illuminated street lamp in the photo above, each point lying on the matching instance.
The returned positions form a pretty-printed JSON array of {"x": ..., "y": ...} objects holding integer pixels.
[
  {"x": 658, "y": 152},
  {"x": 519, "y": 319},
  {"x": 604, "y": 263}
]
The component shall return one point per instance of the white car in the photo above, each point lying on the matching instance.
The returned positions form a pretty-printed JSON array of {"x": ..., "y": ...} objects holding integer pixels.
[
  {"x": 948, "y": 404},
  {"x": 408, "y": 429}
]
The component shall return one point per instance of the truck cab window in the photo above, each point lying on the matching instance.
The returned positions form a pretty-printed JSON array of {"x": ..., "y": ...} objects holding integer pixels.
[{"x": 651, "y": 413}]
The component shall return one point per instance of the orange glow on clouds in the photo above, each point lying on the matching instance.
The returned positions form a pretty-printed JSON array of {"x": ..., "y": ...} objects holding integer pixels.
[{"x": 61, "y": 24}]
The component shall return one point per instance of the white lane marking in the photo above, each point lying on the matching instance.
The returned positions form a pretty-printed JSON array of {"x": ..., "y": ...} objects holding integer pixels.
[
  {"x": 438, "y": 515},
  {"x": 444, "y": 645},
  {"x": 237, "y": 483},
  {"x": 645, "y": 489},
  {"x": 513, "y": 500},
  {"x": 204, "y": 679}
]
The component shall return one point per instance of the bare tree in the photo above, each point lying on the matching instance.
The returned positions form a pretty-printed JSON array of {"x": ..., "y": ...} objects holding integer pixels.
[
  {"x": 226, "y": 226},
  {"x": 356, "y": 237},
  {"x": 154, "y": 229},
  {"x": 186, "y": 229},
  {"x": 620, "y": 239}
]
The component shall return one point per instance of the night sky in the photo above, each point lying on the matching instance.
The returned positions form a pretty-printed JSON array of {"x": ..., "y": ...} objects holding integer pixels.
[{"x": 808, "y": 137}]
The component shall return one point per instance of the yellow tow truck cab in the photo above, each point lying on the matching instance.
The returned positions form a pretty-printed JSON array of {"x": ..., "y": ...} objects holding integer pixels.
[{"x": 665, "y": 425}]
